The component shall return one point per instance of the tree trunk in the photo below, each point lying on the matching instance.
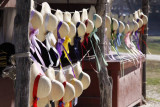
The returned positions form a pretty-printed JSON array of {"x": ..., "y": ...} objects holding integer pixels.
[
  {"x": 22, "y": 46},
  {"x": 145, "y": 6},
  {"x": 105, "y": 84}
]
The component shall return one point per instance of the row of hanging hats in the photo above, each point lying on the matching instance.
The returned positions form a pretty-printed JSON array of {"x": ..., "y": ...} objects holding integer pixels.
[
  {"x": 51, "y": 35},
  {"x": 126, "y": 31}
]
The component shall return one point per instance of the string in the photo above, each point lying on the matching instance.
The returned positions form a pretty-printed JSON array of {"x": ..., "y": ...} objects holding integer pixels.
[{"x": 56, "y": 10}]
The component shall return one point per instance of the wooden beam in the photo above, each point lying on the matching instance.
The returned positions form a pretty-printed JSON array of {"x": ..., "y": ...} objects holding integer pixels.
[
  {"x": 105, "y": 84},
  {"x": 22, "y": 46},
  {"x": 145, "y": 8}
]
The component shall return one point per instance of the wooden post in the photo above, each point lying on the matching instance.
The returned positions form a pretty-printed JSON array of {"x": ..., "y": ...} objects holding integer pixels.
[
  {"x": 145, "y": 6},
  {"x": 105, "y": 84},
  {"x": 22, "y": 46}
]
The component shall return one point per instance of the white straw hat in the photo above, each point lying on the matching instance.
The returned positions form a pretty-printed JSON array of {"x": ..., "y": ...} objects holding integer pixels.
[
  {"x": 36, "y": 17},
  {"x": 82, "y": 28},
  {"x": 108, "y": 27},
  {"x": 144, "y": 18},
  {"x": 57, "y": 91},
  {"x": 115, "y": 24},
  {"x": 76, "y": 83},
  {"x": 49, "y": 21},
  {"x": 121, "y": 26},
  {"x": 69, "y": 88},
  {"x": 140, "y": 21},
  {"x": 67, "y": 19},
  {"x": 64, "y": 29},
  {"x": 127, "y": 29},
  {"x": 44, "y": 84},
  {"x": 82, "y": 76},
  {"x": 136, "y": 25}
]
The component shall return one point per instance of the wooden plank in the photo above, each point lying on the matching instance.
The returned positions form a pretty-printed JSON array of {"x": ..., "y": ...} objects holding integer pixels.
[{"x": 22, "y": 46}]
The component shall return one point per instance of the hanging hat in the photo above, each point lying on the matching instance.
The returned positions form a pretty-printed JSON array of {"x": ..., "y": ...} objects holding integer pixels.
[
  {"x": 81, "y": 28},
  {"x": 108, "y": 27},
  {"x": 69, "y": 88},
  {"x": 95, "y": 18},
  {"x": 84, "y": 17},
  {"x": 115, "y": 24},
  {"x": 49, "y": 21},
  {"x": 121, "y": 18},
  {"x": 121, "y": 26},
  {"x": 67, "y": 19},
  {"x": 82, "y": 76},
  {"x": 76, "y": 83},
  {"x": 57, "y": 91},
  {"x": 44, "y": 83},
  {"x": 136, "y": 26},
  {"x": 140, "y": 21},
  {"x": 64, "y": 29},
  {"x": 127, "y": 29},
  {"x": 36, "y": 19},
  {"x": 43, "y": 102},
  {"x": 144, "y": 18}
]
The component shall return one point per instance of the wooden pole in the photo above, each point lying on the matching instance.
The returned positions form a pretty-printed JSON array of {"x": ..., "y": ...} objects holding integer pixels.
[
  {"x": 145, "y": 7},
  {"x": 105, "y": 84},
  {"x": 22, "y": 46}
]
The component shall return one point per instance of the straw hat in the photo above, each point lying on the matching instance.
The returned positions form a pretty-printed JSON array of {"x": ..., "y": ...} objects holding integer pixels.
[
  {"x": 49, "y": 21},
  {"x": 108, "y": 22},
  {"x": 82, "y": 28},
  {"x": 127, "y": 29},
  {"x": 90, "y": 25},
  {"x": 67, "y": 19},
  {"x": 92, "y": 14},
  {"x": 57, "y": 91},
  {"x": 121, "y": 26},
  {"x": 69, "y": 88},
  {"x": 76, "y": 83},
  {"x": 64, "y": 29},
  {"x": 115, "y": 24},
  {"x": 44, "y": 84},
  {"x": 37, "y": 19},
  {"x": 136, "y": 25},
  {"x": 144, "y": 18},
  {"x": 85, "y": 77},
  {"x": 136, "y": 17},
  {"x": 121, "y": 18}
]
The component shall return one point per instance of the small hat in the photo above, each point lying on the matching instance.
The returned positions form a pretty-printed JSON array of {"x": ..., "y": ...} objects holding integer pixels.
[
  {"x": 75, "y": 82},
  {"x": 140, "y": 21},
  {"x": 69, "y": 88},
  {"x": 136, "y": 25},
  {"x": 144, "y": 18},
  {"x": 115, "y": 24},
  {"x": 127, "y": 29},
  {"x": 121, "y": 18},
  {"x": 82, "y": 28},
  {"x": 50, "y": 21},
  {"x": 36, "y": 19},
  {"x": 84, "y": 17},
  {"x": 57, "y": 91},
  {"x": 121, "y": 26},
  {"x": 108, "y": 21},
  {"x": 82, "y": 76},
  {"x": 67, "y": 19},
  {"x": 44, "y": 84},
  {"x": 64, "y": 29}
]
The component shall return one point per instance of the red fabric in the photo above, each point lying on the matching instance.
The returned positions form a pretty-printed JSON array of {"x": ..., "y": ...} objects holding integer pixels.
[
  {"x": 35, "y": 87},
  {"x": 70, "y": 103},
  {"x": 61, "y": 100}
]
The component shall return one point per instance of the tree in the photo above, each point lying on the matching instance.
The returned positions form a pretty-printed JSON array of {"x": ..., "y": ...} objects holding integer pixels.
[
  {"x": 105, "y": 84},
  {"x": 22, "y": 46}
]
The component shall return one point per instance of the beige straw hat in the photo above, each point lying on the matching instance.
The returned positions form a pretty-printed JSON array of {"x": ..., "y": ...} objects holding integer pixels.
[
  {"x": 108, "y": 27},
  {"x": 57, "y": 91},
  {"x": 127, "y": 29},
  {"x": 64, "y": 29},
  {"x": 115, "y": 24},
  {"x": 144, "y": 18},
  {"x": 49, "y": 21},
  {"x": 82, "y": 28},
  {"x": 69, "y": 88},
  {"x": 136, "y": 25},
  {"x": 82, "y": 76},
  {"x": 121, "y": 18},
  {"x": 44, "y": 84},
  {"x": 75, "y": 82},
  {"x": 121, "y": 26},
  {"x": 67, "y": 19},
  {"x": 37, "y": 19},
  {"x": 140, "y": 22}
]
